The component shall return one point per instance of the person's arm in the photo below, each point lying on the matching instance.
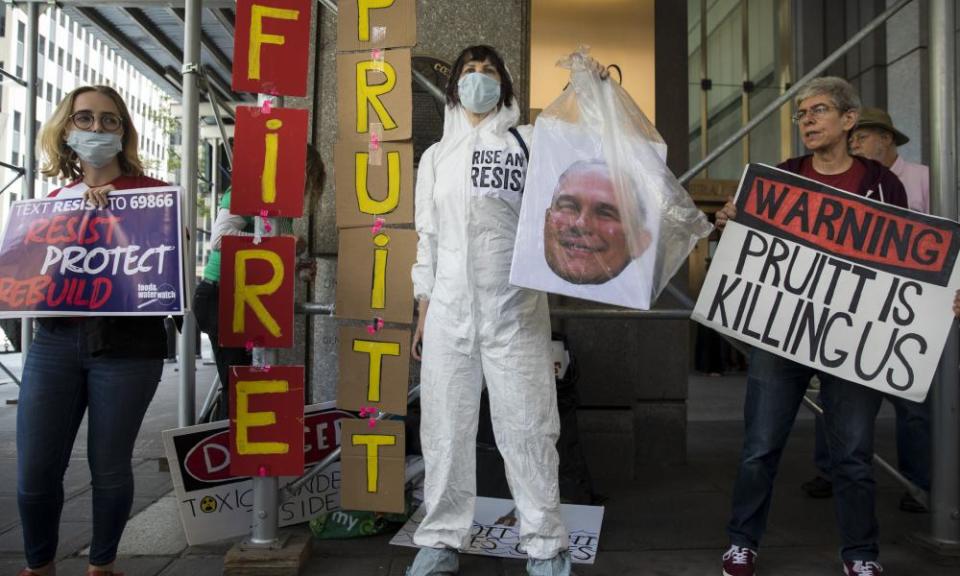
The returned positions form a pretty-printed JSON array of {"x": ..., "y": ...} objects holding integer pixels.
[
  {"x": 227, "y": 224},
  {"x": 425, "y": 268}
]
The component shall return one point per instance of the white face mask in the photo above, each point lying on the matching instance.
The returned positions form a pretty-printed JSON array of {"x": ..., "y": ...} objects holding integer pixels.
[
  {"x": 478, "y": 92},
  {"x": 96, "y": 149}
]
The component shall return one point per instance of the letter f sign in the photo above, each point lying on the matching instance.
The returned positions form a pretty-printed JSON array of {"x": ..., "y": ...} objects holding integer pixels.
[{"x": 270, "y": 46}]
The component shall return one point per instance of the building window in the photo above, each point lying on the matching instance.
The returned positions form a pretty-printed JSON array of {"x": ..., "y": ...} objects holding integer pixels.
[
  {"x": 3, "y": 21},
  {"x": 49, "y": 92},
  {"x": 16, "y": 120},
  {"x": 21, "y": 32},
  {"x": 60, "y": 57},
  {"x": 15, "y": 158},
  {"x": 42, "y": 44},
  {"x": 49, "y": 52}
]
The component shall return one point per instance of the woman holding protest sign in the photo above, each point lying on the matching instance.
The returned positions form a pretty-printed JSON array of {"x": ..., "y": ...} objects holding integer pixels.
[
  {"x": 475, "y": 327},
  {"x": 107, "y": 367},
  {"x": 206, "y": 298}
]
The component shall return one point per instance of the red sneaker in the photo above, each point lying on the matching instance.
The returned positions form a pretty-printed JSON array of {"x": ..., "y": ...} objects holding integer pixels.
[
  {"x": 739, "y": 561},
  {"x": 862, "y": 568}
]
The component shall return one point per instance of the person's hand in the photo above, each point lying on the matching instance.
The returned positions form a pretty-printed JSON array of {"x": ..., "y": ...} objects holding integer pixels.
[
  {"x": 728, "y": 212},
  {"x": 97, "y": 195},
  {"x": 596, "y": 67},
  {"x": 956, "y": 304},
  {"x": 417, "y": 343}
]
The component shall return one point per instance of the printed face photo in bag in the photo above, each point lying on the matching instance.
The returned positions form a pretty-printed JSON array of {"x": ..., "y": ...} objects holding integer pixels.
[{"x": 585, "y": 239}]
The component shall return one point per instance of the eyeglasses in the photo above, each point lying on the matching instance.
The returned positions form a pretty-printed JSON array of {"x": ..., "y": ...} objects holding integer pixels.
[
  {"x": 84, "y": 120},
  {"x": 860, "y": 138},
  {"x": 817, "y": 112}
]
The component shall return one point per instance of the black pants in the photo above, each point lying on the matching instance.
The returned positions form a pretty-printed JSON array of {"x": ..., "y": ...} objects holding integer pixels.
[{"x": 206, "y": 308}]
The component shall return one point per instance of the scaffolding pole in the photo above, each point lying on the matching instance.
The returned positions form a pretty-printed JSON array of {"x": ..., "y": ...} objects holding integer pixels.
[
  {"x": 945, "y": 475},
  {"x": 30, "y": 131},
  {"x": 190, "y": 122}
]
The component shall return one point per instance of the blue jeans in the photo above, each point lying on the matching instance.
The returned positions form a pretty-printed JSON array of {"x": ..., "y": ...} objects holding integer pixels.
[
  {"x": 913, "y": 442},
  {"x": 775, "y": 388},
  {"x": 61, "y": 382}
]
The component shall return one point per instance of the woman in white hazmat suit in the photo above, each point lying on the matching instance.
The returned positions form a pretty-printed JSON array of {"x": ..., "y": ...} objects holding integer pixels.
[{"x": 475, "y": 327}]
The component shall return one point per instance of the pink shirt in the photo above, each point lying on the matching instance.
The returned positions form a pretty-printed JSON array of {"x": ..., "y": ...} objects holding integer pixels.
[{"x": 916, "y": 181}]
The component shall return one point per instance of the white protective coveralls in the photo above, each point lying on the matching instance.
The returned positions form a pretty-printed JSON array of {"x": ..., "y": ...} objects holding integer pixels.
[{"x": 478, "y": 326}]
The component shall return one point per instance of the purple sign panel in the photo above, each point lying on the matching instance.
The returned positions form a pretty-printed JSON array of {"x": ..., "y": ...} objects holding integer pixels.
[{"x": 59, "y": 257}]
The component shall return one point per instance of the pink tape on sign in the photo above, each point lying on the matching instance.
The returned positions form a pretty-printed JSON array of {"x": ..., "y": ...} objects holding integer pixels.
[
  {"x": 374, "y": 141},
  {"x": 372, "y": 422},
  {"x": 377, "y": 225},
  {"x": 262, "y": 471},
  {"x": 249, "y": 345},
  {"x": 266, "y": 106}
]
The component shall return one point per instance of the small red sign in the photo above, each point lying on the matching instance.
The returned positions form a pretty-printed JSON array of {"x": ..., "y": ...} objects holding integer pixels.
[
  {"x": 271, "y": 152},
  {"x": 266, "y": 421},
  {"x": 271, "y": 46},
  {"x": 256, "y": 291}
]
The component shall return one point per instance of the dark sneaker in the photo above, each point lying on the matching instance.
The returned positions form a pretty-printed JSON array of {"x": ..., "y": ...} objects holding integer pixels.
[
  {"x": 739, "y": 561},
  {"x": 910, "y": 504},
  {"x": 862, "y": 568},
  {"x": 819, "y": 487}
]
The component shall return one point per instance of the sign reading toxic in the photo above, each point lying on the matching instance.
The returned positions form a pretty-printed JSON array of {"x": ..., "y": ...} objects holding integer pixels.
[
  {"x": 215, "y": 504},
  {"x": 859, "y": 289},
  {"x": 61, "y": 257}
]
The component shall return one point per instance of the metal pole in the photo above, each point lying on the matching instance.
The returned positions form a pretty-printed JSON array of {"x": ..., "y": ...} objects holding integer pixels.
[
  {"x": 190, "y": 123},
  {"x": 266, "y": 522},
  {"x": 775, "y": 105},
  {"x": 945, "y": 478},
  {"x": 30, "y": 122}
]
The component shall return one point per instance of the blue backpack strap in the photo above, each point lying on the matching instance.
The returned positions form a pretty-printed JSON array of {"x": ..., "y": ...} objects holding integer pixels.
[{"x": 523, "y": 145}]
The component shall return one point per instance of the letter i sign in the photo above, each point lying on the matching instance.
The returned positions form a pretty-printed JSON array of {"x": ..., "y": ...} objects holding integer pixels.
[{"x": 270, "y": 54}]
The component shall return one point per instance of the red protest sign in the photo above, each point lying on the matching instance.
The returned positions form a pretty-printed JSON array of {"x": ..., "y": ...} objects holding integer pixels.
[
  {"x": 256, "y": 291},
  {"x": 272, "y": 152},
  {"x": 266, "y": 421},
  {"x": 270, "y": 46}
]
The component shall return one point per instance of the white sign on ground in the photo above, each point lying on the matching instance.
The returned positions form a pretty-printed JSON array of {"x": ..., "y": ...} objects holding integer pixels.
[
  {"x": 215, "y": 506},
  {"x": 496, "y": 530}
]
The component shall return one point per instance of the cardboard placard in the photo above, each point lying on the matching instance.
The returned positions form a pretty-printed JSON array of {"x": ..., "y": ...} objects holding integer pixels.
[
  {"x": 856, "y": 288},
  {"x": 375, "y": 94},
  {"x": 373, "y": 183},
  {"x": 272, "y": 152},
  {"x": 367, "y": 24},
  {"x": 270, "y": 46},
  {"x": 60, "y": 257},
  {"x": 496, "y": 530},
  {"x": 373, "y": 274},
  {"x": 256, "y": 291},
  {"x": 266, "y": 420},
  {"x": 374, "y": 370},
  {"x": 215, "y": 505},
  {"x": 372, "y": 462}
]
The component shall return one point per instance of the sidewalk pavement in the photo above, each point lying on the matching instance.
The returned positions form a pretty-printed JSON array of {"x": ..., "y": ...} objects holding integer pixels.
[{"x": 670, "y": 521}]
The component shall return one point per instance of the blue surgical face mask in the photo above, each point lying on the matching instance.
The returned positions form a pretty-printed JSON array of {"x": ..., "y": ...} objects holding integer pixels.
[
  {"x": 96, "y": 149},
  {"x": 479, "y": 93}
]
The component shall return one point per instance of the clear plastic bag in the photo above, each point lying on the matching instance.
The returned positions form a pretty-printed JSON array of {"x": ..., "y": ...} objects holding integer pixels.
[{"x": 603, "y": 218}]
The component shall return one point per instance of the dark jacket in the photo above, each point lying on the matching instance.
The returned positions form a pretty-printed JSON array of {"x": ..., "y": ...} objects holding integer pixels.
[
  {"x": 879, "y": 183},
  {"x": 118, "y": 336}
]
